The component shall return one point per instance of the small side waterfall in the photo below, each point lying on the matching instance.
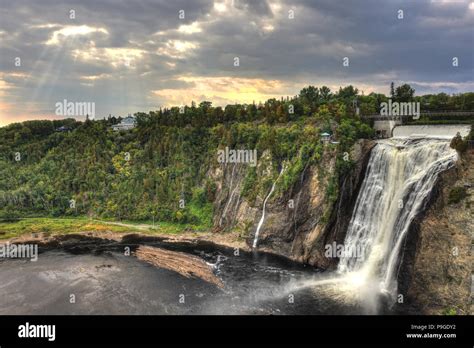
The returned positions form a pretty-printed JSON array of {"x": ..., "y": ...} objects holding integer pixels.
[
  {"x": 400, "y": 175},
  {"x": 260, "y": 223}
]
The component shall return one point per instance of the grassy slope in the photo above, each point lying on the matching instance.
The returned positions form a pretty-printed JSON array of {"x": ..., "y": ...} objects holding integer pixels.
[{"x": 81, "y": 224}]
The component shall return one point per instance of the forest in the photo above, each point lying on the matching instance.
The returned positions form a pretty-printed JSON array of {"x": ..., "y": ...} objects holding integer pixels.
[{"x": 159, "y": 169}]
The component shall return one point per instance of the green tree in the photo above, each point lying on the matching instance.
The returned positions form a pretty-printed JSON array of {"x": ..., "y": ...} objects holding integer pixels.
[
  {"x": 404, "y": 93},
  {"x": 325, "y": 93}
]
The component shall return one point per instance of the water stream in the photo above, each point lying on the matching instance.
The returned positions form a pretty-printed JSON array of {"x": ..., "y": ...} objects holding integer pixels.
[{"x": 262, "y": 219}]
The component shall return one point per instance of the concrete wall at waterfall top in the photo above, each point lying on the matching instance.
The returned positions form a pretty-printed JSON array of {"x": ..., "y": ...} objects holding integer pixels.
[
  {"x": 384, "y": 128},
  {"x": 431, "y": 131}
]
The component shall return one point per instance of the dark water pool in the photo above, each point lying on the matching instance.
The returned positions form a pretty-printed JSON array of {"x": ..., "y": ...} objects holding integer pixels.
[{"x": 108, "y": 282}]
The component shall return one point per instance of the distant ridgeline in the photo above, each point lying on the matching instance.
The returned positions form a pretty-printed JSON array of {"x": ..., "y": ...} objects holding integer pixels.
[{"x": 159, "y": 169}]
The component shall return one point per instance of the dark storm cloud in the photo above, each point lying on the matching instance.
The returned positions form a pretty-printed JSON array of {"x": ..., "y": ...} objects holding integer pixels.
[
  {"x": 260, "y": 8},
  {"x": 271, "y": 46},
  {"x": 420, "y": 46}
]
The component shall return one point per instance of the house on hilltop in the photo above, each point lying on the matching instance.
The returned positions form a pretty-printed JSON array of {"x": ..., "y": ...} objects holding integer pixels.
[
  {"x": 126, "y": 124},
  {"x": 63, "y": 129}
]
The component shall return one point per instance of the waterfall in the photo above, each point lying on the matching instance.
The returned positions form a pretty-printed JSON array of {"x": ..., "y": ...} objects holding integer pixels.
[
  {"x": 400, "y": 175},
  {"x": 260, "y": 223}
]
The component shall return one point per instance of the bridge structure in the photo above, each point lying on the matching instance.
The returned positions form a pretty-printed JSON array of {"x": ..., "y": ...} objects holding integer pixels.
[{"x": 384, "y": 125}]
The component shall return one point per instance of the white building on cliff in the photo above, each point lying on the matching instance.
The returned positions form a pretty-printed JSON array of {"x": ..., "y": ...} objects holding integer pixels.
[{"x": 126, "y": 124}]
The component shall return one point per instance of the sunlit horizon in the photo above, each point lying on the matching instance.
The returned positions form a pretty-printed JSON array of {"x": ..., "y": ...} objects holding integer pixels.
[{"x": 138, "y": 56}]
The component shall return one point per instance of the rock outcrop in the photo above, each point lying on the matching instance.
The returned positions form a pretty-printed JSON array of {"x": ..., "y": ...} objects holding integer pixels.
[
  {"x": 436, "y": 272},
  {"x": 300, "y": 222}
]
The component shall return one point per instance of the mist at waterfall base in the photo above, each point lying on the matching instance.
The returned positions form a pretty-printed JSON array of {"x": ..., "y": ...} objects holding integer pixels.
[{"x": 399, "y": 177}]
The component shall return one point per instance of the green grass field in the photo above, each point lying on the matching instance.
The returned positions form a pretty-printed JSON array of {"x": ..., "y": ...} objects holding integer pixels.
[{"x": 82, "y": 224}]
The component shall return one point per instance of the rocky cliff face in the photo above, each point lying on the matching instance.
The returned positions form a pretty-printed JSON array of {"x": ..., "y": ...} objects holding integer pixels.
[
  {"x": 341, "y": 213},
  {"x": 436, "y": 272},
  {"x": 300, "y": 222}
]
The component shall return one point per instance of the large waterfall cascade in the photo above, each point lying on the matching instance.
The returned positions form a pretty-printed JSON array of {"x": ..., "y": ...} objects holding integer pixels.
[{"x": 400, "y": 175}]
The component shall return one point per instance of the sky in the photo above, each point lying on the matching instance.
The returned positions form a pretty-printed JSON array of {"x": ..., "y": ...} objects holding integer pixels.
[{"x": 127, "y": 56}]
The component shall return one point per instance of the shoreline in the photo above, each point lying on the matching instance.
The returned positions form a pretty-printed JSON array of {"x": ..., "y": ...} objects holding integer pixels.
[
  {"x": 223, "y": 240},
  {"x": 72, "y": 234},
  {"x": 229, "y": 242},
  {"x": 181, "y": 262}
]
